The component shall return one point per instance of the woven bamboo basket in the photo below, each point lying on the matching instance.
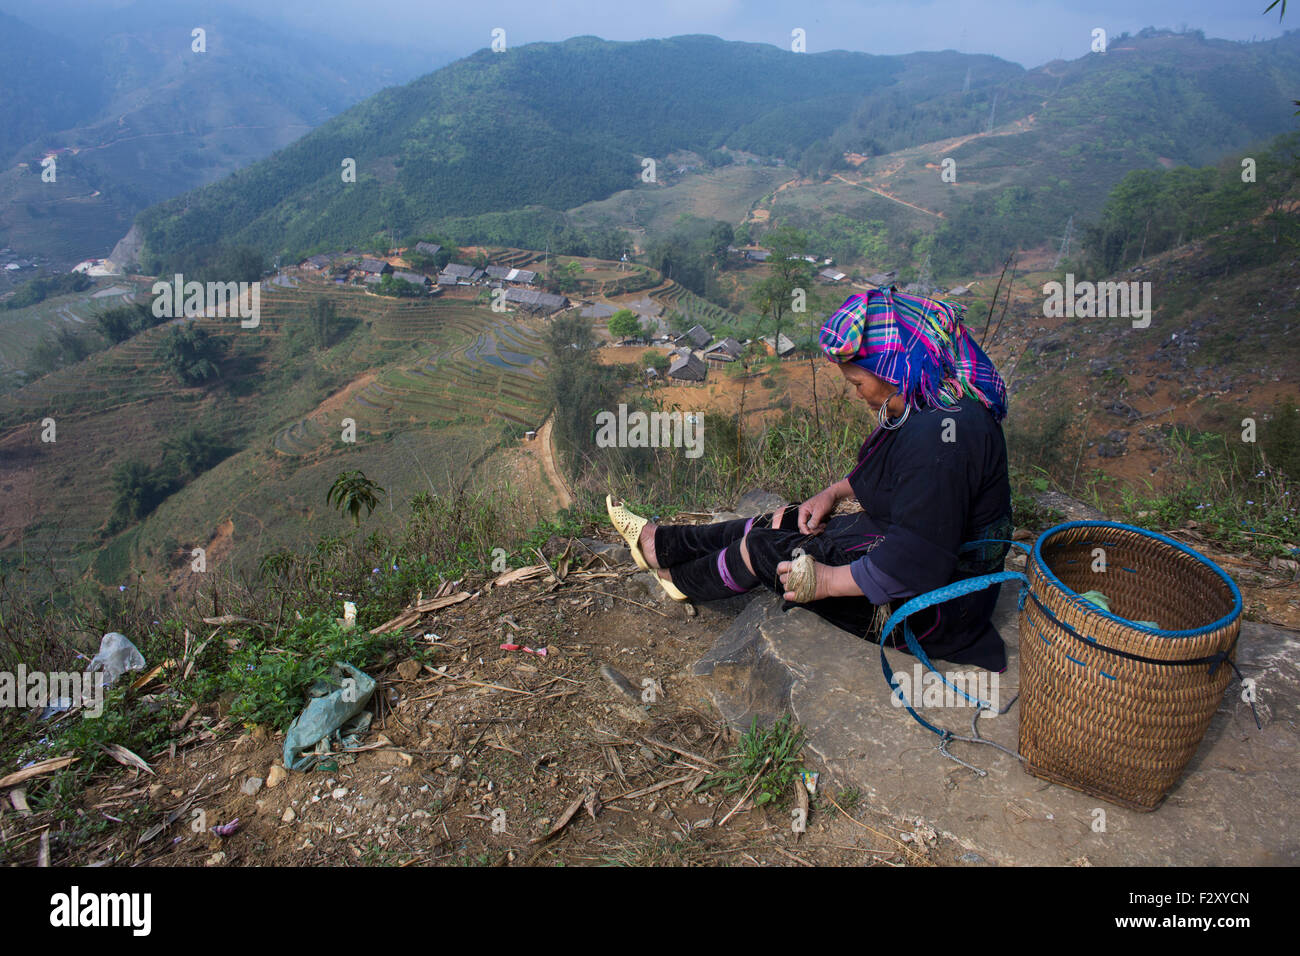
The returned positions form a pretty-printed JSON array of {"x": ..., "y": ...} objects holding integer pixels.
[{"x": 1109, "y": 706}]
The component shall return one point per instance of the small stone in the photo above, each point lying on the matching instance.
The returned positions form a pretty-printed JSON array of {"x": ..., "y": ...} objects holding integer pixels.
[
  {"x": 971, "y": 858},
  {"x": 275, "y": 776},
  {"x": 288, "y": 816},
  {"x": 408, "y": 670},
  {"x": 251, "y": 786},
  {"x": 217, "y": 859},
  {"x": 339, "y": 793},
  {"x": 617, "y": 680}
]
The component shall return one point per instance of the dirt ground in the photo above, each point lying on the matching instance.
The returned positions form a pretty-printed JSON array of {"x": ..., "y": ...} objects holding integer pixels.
[{"x": 483, "y": 756}]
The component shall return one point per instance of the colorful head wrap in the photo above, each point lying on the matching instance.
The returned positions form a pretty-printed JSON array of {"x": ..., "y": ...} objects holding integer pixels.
[{"x": 916, "y": 343}]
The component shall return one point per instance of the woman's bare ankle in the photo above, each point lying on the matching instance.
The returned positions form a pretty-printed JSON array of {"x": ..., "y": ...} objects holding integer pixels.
[{"x": 647, "y": 542}]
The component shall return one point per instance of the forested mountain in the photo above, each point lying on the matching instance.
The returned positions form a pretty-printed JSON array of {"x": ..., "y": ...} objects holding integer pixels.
[
  {"x": 48, "y": 83},
  {"x": 1154, "y": 101},
  {"x": 559, "y": 124},
  {"x": 136, "y": 115}
]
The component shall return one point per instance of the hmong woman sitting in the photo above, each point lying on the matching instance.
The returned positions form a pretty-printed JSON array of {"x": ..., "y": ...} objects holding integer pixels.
[{"x": 932, "y": 477}]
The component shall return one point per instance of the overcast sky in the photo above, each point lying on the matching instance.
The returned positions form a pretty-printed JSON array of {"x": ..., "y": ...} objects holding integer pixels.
[{"x": 1029, "y": 32}]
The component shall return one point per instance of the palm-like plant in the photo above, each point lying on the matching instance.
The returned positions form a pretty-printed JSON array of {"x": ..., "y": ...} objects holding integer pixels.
[
  {"x": 192, "y": 449},
  {"x": 353, "y": 491},
  {"x": 136, "y": 489}
]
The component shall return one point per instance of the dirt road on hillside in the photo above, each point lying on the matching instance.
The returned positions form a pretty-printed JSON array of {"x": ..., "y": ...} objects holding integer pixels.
[{"x": 549, "y": 465}]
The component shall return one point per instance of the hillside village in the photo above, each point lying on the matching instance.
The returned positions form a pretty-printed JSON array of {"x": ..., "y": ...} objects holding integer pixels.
[{"x": 691, "y": 351}]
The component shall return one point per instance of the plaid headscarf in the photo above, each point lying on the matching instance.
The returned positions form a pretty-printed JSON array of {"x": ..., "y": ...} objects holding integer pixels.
[{"x": 918, "y": 344}]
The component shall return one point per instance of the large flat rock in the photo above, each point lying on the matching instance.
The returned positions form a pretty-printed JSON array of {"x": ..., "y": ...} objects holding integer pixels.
[{"x": 1238, "y": 803}]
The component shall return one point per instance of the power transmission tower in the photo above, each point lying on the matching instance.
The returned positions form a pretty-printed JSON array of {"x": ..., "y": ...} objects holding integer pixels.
[
  {"x": 926, "y": 279},
  {"x": 993, "y": 110},
  {"x": 1065, "y": 243}
]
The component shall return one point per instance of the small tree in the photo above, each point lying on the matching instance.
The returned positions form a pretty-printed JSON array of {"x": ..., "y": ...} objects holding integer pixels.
[
  {"x": 138, "y": 490},
  {"x": 624, "y": 324},
  {"x": 321, "y": 319},
  {"x": 192, "y": 451},
  {"x": 191, "y": 354},
  {"x": 353, "y": 491},
  {"x": 720, "y": 237},
  {"x": 119, "y": 324},
  {"x": 774, "y": 295},
  {"x": 398, "y": 288}
]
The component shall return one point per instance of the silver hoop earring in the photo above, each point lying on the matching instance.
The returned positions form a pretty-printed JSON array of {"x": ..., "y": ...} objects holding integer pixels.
[{"x": 883, "y": 417}]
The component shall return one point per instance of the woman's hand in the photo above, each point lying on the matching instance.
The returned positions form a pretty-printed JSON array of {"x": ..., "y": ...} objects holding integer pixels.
[
  {"x": 832, "y": 581},
  {"x": 813, "y": 512}
]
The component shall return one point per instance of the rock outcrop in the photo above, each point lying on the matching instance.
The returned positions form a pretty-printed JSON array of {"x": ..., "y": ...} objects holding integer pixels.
[{"x": 1238, "y": 802}]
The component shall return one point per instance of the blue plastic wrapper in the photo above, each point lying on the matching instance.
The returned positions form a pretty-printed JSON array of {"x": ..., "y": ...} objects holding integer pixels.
[{"x": 334, "y": 719}]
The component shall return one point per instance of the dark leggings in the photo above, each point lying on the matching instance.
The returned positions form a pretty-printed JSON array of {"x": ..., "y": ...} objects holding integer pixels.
[{"x": 706, "y": 563}]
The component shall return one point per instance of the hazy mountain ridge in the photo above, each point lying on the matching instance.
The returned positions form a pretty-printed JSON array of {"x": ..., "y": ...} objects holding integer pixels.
[
  {"x": 549, "y": 124},
  {"x": 140, "y": 116},
  {"x": 561, "y": 124}
]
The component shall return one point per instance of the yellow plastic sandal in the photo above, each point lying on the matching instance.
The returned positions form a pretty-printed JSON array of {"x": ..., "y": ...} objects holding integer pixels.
[
  {"x": 670, "y": 589},
  {"x": 629, "y": 526}
]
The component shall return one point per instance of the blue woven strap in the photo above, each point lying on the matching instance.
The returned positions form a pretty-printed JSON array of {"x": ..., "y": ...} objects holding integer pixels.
[
  {"x": 921, "y": 602},
  {"x": 970, "y": 545}
]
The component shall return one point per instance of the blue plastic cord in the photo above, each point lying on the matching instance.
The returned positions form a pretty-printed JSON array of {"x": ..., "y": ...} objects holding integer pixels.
[{"x": 920, "y": 603}]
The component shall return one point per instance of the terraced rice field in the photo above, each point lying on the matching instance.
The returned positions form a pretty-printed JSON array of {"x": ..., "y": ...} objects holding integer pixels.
[
  {"x": 518, "y": 258},
  {"x": 282, "y": 306},
  {"x": 482, "y": 366},
  {"x": 123, "y": 374},
  {"x": 127, "y": 372},
  {"x": 22, "y": 329},
  {"x": 677, "y": 298}
]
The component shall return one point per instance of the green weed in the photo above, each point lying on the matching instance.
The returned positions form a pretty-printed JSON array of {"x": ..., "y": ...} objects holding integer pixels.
[{"x": 773, "y": 751}]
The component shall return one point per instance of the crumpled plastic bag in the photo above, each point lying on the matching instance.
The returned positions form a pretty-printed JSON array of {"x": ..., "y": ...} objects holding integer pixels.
[
  {"x": 334, "y": 719},
  {"x": 1100, "y": 600},
  {"x": 116, "y": 656}
]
